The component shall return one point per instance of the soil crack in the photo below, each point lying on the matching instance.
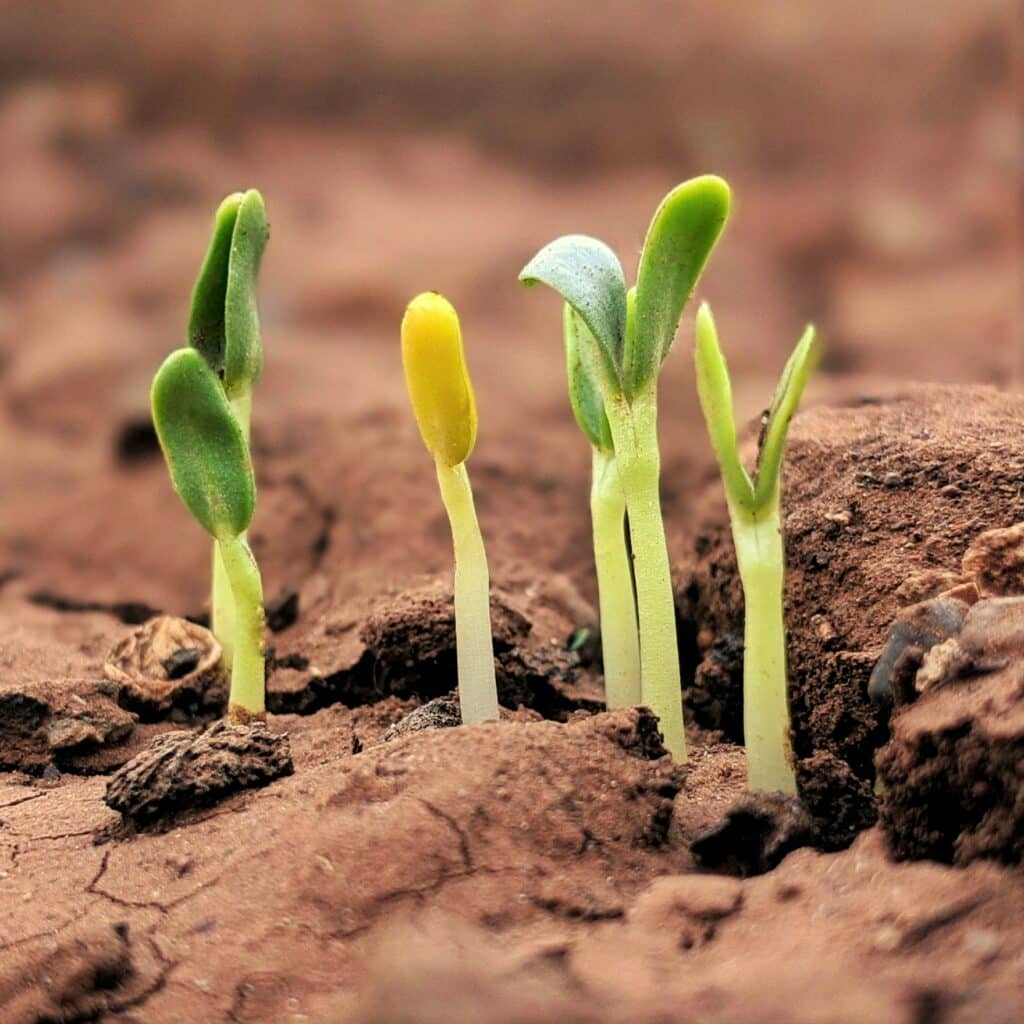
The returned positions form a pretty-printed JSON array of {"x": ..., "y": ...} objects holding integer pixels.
[
  {"x": 93, "y": 889},
  {"x": 131, "y": 613},
  {"x": 464, "y": 851}
]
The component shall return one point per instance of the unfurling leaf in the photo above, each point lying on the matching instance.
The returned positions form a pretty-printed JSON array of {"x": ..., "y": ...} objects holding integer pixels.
[
  {"x": 203, "y": 444},
  {"x": 206, "y": 320},
  {"x": 682, "y": 234},
  {"x": 715, "y": 392},
  {"x": 243, "y": 351},
  {"x": 224, "y": 325},
  {"x": 438, "y": 379},
  {"x": 787, "y": 397},
  {"x": 588, "y": 275},
  {"x": 584, "y": 394}
]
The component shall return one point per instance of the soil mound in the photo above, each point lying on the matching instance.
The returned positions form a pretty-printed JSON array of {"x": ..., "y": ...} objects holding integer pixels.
[{"x": 881, "y": 498}]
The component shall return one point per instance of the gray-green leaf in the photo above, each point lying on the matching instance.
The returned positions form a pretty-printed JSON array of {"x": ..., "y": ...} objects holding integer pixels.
[
  {"x": 206, "y": 453},
  {"x": 588, "y": 275},
  {"x": 682, "y": 234},
  {"x": 584, "y": 394}
]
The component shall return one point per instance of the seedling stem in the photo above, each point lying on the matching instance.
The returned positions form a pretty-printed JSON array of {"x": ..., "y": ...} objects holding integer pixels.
[
  {"x": 443, "y": 403},
  {"x": 208, "y": 458},
  {"x": 224, "y": 328},
  {"x": 247, "y": 666},
  {"x": 222, "y": 610},
  {"x": 622, "y": 337},
  {"x": 619, "y": 642},
  {"x": 478, "y": 689},
  {"x": 754, "y": 512},
  {"x": 634, "y": 427}
]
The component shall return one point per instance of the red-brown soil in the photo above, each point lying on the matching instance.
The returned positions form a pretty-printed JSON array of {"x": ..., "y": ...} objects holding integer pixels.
[
  {"x": 881, "y": 499},
  {"x": 542, "y": 868}
]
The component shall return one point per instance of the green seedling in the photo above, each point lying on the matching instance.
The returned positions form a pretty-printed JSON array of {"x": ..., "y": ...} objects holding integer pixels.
[
  {"x": 623, "y": 338},
  {"x": 224, "y": 329},
  {"x": 754, "y": 512},
  {"x": 208, "y": 458},
  {"x": 620, "y": 643},
  {"x": 442, "y": 400}
]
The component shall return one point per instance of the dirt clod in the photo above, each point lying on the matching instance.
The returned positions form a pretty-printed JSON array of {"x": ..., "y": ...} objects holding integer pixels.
[
  {"x": 182, "y": 770},
  {"x": 754, "y": 835},
  {"x": 42, "y": 723},
  {"x": 995, "y": 561},
  {"x": 405, "y": 647},
  {"x": 77, "y": 980},
  {"x": 839, "y": 459},
  {"x": 439, "y": 713},
  {"x": 953, "y": 770},
  {"x": 840, "y": 803}
]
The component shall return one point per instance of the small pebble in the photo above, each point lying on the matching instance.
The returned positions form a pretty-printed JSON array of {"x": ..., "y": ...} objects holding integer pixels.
[
  {"x": 823, "y": 629},
  {"x": 51, "y": 773},
  {"x": 839, "y": 518},
  {"x": 892, "y": 479},
  {"x": 950, "y": 491},
  {"x": 887, "y": 939},
  {"x": 983, "y": 944}
]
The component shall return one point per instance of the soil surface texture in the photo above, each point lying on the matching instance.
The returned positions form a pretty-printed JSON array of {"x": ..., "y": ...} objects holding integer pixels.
[{"x": 360, "y": 857}]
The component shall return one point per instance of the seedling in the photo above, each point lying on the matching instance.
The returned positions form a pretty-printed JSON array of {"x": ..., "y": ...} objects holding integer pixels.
[
  {"x": 224, "y": 329},
  {"x": 620, "y": 643},
  {"x": 445, "y": 409},
  {"x": 623, "y": 339},
  {"x": 757, "y": 535},
  {"x": 208, "y": 458}
]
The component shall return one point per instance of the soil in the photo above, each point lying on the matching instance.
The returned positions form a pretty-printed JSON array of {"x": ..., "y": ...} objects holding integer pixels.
[
  {"x": 951, "y": 769},
  {"x": 556, "y": 865},
  {"x": 881, "y": 500}
]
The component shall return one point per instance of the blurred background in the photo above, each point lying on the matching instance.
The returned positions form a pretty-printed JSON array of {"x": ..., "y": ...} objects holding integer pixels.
[{"x": 873, "y": 148}]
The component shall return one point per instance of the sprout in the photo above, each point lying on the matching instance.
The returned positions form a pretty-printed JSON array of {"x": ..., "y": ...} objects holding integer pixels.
[
  {"x": 620, "y": 643},
  {"x": 224, "y": 328},
  {"x": 445, "y": 409},
  {"x": 622, "y": 340},
  {"x": 208, "y": 458},
  {"x": 757, "y": 536}
]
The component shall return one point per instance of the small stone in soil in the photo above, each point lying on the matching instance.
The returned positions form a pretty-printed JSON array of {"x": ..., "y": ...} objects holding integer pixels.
[
  {"x": 183, "y": 771},
  {"x": 754, "y": 835},
  {"x": 439, "y": 713},
  {"x": 917, "y": 629}
]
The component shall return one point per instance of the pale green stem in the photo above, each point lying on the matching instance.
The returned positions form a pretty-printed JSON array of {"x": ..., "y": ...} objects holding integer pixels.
[
  {"x": 759, "y": 554},
  {"x": 635, "y": 434},
  {"x": 619, "y": 640},
  {"x": 247, "y": 698},
  {"x": 222, "y": 603},
  {"x": 478, "y": 690}
]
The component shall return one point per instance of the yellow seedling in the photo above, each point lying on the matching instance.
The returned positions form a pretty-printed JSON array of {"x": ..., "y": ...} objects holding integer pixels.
[{"x": 442, "y": 400}]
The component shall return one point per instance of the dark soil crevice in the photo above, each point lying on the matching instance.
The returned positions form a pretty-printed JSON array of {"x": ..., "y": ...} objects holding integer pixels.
[{"x": 131, "y": 613}]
